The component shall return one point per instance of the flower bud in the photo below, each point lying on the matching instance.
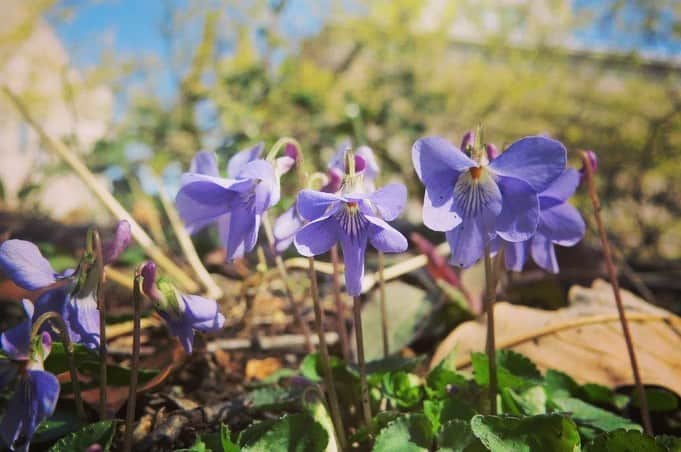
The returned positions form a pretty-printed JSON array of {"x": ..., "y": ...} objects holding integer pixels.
[
  {"x": 114, "y": 248},
  {"x": 492, "y": 151},
  {"x": 593, "y": 162},
  {"x": 292, "y": 151},
  {"x": 335, "y": 181},
  {"x": 360, "y": 163},
  {"x": 149, "y": 281},
  {"x": 468, "y": 140}
]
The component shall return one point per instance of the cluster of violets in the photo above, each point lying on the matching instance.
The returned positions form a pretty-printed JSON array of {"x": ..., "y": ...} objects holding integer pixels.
[
  {"x": 485, "y": 201},
  {"x": 72, "y": 295}
]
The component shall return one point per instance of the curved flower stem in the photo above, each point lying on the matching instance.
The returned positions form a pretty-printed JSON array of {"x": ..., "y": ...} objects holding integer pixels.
[
  {"x": 187, "y": 247},
  {"x": 490, "y": 347},
  {"x": 384, "y": 311},
  {"x": 103, "y": 194},
  {"x": 284, "y": 276},
  {"x": 340, "y": 306},
  {"x": 101, "y": 304},
  {"x": 68, "y": 346},
  {"x": 612, "y": 274},
  {"x": 132, "y": 394},
  {"x": 328, "y": 376},
  {"x": 359, "y": 338},
  {"x": 281, "y": 142}
]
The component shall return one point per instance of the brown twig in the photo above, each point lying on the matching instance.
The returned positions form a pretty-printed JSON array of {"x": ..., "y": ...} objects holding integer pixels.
[
  {"x": 324, "y": 351},
  {"x": 359, "y": 338},
  {"x": 340, "y": 306},
  {"x": 132, "y": 397},
  {"x": 612, "y": 274},
  {"x": 490, "y": 347},
  {"x": 101, "y": 305},
  {"x": 384, "y": 309}
]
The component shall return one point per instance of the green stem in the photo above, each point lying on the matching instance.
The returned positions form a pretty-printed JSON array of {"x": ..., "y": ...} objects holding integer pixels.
[
  {"x": 328, "y": 376},
  {"x": 281, "y": 142},
  {"x": 490, "y": 346},
  {"x": 132, "y": 395},
  {"x": 612, "y": 274},
  {"x": 359, "y": 338},
  {"x": 340, "y": 306},
  {"x": 68, "y": 345},
  {"x": 384, "y": 309},
  {"x": 101, "y": 305}
]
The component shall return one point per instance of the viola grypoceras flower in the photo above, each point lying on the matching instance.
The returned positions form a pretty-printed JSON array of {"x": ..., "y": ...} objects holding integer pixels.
[
  {"x": 472, "y": 199},
  {"x": 35, "y": 392},
  {"x": 236, "y": 203},
  {"x": 184, "y": 314},
  {"x": 559, "y": 224},
  {"x": 70, "y": 293},
  {"x": 353, "y": 218}
]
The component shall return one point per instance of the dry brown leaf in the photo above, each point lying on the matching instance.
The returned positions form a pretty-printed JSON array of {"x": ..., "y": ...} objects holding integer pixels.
[
  {"x": 260, "y": 369},
  {"x": 584, "y": 340}
]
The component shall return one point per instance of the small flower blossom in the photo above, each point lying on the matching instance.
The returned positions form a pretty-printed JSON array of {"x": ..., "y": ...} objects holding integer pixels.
[
  {"x": 36, "y": 391},
  {"x": 236, "y": 203},
  {"x": 182, "y": 313},
  {"x": 354, "y": 219},
  {"x": 71, "y": 293},
  {"x": 559, "y": 224},
  {"x": 593, "y": 161},
  {"x": 472, "y": 199}
]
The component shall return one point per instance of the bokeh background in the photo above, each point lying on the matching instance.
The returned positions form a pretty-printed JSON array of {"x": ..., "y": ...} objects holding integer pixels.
[{"x": 137, "y": 87}]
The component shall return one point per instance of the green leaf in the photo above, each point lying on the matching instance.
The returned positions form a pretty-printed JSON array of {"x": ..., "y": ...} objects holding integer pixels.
[
  {"x": 659, "y": 400},
  {"x": 537, "y": 433},
  {"x": 517, "y": 364},
  {"x": 560, "y": 384},
  {"x": 457, "y": 436},
  {"x": 530, "y": 402},
  {"x": 220, "y": 441},
  {"x": 311, "y": 368},
  {"x": 505, "y": 379},
  {"x": 59, "y": 424},
  {"x": 624, "y": 440},
  {"x": 198, "y": 446},
  {"x": 409, "y": 433},
  {"x": 671, "y": 443},
  {"x": 294, "y": 433},
  {"x": 271, "y": 397},
  {"x": 406, "y": 317},
  {"x": 403, "y": 388},
  {"x": 585, "y": 414},
  {"x": 441, "y": 379},
  {"x": 394, "y": 363},
  {"x": 100, "y": 432}
]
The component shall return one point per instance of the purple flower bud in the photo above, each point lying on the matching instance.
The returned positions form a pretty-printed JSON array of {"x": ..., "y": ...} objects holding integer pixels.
[
  {"x": 335, "y": 181},
  {"x": 291, "y": 150},
  {"x": 467, "y": 140},
  {"x": 149, "y": 281},
  {"x": 360, "y": 163},
  {"x": 96, "y": 447},
  {"x": 492, "y": 151},
  {"x": 114, "y": 248},
  {"x": 593, "y": 161}
]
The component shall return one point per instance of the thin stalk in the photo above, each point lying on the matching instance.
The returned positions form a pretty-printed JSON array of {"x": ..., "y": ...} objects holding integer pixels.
[
  {"x": 490, "y": 347},
  {"x": 104, "y": 195},
  {"x": 328, "y": 376},
  {"x": 340, "y": 306},
  {"x": 284, "y": 276},
  {"x": 68, "y": 345},
  {"x": 612, "y": 274},
  {"x": 187, "y": 247},
  {"x": 384, "y": 309},
  {"x": 101, "y": 305},
  {"x": 363, "y": 386},
  {"x": 132, "y": 395}
]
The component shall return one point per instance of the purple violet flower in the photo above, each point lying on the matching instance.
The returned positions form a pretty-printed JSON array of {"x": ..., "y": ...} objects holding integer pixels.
[
  {"x": 353, "y": 219},
  {"x": 290, "y": 222},
  {"x": 71, "y": 293},
  {"x": 36, "y": 391},
  {"x": 559, "y": 224},
  {"x": 236, "y": 203},
  {"x": 182, "y": 313},
  {"x": 472, "y": 200}
]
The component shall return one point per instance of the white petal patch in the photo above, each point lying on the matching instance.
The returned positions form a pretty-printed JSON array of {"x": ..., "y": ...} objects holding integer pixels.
[{"x": 473, "y": 195}]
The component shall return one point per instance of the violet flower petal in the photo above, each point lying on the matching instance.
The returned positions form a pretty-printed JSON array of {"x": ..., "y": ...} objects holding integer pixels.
[
  {"x": 520, "y": 212},
  {"x": 23, "y": 263},
  {"x": 205, "y": 162},
  {"x": 241, "y": 158}
]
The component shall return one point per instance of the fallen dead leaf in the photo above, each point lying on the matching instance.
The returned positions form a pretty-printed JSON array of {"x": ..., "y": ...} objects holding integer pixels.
[
  {"x": 584, "y": 340},
  {"x": 259, "y": 369}
]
